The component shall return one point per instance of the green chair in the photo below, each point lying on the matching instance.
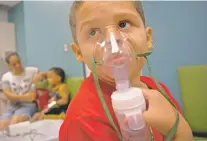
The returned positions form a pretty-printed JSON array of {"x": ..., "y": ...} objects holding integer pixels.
[
  {"x": 74, "y": 84},
  {"x": 193, "y": 84},
  {"x": 200, "y": 139}
]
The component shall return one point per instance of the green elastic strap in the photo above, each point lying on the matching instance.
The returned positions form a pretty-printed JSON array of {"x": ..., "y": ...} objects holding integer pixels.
[
  {"x": 162, "y": 91},
  {"x": 100, "y": 94}
]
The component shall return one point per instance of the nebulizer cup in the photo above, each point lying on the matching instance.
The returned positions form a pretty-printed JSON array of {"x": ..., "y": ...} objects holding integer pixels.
[{"x": 115, "y": 52}]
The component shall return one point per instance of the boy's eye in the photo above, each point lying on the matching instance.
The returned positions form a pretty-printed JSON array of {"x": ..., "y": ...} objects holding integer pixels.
[
  {"x": 94, "y": 32},
  {"x": 124, "y": 24}
]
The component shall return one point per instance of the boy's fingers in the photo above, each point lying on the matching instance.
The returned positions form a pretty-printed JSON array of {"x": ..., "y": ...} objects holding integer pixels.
[
  {"x": 146, "y": 114},
  {"x": 147, "y": 117},
  {"x": 150, "y": 95},
  {"x": 135, "y": 121},
  {"x": 146, "y": 93},
  {"x": 147, "y": 96}
]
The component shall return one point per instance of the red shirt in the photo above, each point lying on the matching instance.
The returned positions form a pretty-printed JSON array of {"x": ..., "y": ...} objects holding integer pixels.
[{"x": 86, "y": 119}]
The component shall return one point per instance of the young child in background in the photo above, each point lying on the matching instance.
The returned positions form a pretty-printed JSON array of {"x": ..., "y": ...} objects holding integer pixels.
[
  {"x": 86, "y": 119},
  {"x": 58, "y": 91}
]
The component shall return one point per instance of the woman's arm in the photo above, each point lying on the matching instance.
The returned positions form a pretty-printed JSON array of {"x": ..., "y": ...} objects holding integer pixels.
[
  {"x": 11, "y": 96},
  {"x": 14, "y": 97}
]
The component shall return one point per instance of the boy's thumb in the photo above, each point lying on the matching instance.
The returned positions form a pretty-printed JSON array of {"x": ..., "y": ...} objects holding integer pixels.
[{"x": 146, "y": 94}]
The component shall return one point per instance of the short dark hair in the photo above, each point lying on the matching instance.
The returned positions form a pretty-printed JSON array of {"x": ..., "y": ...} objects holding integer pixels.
[
  {"x": 60, "y": 72},
  {"x": 10, "y": 55},
  {"x": 76, "y": 5}
]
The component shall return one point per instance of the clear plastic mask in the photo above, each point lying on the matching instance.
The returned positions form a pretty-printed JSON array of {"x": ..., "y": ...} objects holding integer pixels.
[
  {"x": 114, "y": 53},
  {"x": 113, "y": 48}
]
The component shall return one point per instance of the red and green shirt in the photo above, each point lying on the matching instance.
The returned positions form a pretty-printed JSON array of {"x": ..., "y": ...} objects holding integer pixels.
[{"x": 86, "y": 119}]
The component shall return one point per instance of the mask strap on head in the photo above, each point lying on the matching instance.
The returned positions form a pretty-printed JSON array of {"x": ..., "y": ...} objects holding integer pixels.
[
  {"x": 173, "y": 130},
  {"x": 100, "y": 95}
]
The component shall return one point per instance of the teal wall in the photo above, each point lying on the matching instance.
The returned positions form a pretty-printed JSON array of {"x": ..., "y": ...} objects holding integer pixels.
[
  {"x": 179, "y": 31},
  {"x": 46, "y": 31},
  {"x": 179, "y": 34},
  {"x": 16, "y": 15}
]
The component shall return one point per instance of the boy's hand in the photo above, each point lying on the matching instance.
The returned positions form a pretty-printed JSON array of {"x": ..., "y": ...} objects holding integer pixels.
[{"x": 160, "y": 114}]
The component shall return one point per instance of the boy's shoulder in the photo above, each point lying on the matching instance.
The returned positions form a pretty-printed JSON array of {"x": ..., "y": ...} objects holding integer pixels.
[
  {"x": 86, "y": 100},
  {"x": 149, "y": 82}
]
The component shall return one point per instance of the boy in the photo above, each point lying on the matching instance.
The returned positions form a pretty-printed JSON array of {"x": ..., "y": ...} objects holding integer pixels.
[{"x": 86, "y": 119}]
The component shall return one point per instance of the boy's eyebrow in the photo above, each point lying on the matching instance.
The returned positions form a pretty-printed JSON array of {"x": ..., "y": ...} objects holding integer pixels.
[{"x": 85, "y": 22}]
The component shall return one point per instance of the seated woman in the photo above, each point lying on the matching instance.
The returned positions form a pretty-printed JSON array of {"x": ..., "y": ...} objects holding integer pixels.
[
  {"x": 59, "y": 93},
  {"x": 18, "y": 88}
]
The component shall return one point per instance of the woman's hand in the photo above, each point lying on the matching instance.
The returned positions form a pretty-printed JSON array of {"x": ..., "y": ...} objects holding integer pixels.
[
  {"x": 161, "y": 115},
  {"x": 28, "y": 97}
]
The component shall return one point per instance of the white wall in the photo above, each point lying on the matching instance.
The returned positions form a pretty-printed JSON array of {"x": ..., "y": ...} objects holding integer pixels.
[
  {"x": 7, "y": 33},
  {"x": 7, "y": 38},
  {"x": 3, "y": 14}
]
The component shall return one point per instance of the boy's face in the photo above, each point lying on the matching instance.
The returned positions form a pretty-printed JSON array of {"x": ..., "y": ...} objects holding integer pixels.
[{"x": 92, "y": 17}]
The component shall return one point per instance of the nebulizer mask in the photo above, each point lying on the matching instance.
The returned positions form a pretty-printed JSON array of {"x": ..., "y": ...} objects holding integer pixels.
[{"x": 114, "y": 53}]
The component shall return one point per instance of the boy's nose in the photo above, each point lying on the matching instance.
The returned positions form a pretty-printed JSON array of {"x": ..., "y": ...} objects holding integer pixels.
[{"x": 113, "y": 35}]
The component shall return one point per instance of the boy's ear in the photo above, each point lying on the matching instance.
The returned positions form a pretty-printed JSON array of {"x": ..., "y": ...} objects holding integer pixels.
[
  {"x": 77, "y": 52},
  {"x": 149, "y": 38}
]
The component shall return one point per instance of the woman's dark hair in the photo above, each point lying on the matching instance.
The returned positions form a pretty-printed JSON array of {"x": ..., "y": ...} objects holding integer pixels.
[
  {"x": 10, "y": 55},
  {"x": 60, "y": 72}
]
